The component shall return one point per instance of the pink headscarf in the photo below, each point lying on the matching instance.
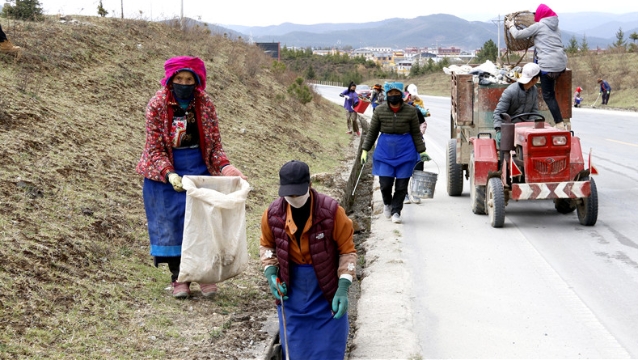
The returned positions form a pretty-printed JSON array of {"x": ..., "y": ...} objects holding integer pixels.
[
  {"x": 542, "y": 12},
  {"x": 174, "y": 65}
]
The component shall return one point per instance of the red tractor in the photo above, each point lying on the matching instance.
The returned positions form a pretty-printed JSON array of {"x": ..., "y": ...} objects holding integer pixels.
[{"x": 537, "y": 162}]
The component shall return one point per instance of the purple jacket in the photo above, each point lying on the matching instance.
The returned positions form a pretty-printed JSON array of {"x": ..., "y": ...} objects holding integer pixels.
[{"x": 350, "y": 103}]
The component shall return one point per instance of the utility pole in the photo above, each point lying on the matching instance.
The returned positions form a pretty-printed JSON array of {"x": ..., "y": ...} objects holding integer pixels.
[
  {"x": 498, "y": 36},
  {"x": 122, "y": 4},
  {"x": 181, "y": 22}
]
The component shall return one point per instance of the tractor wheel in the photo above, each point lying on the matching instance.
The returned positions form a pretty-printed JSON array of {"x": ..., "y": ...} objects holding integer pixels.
[
  {"x": 587, "y": 208},
  {"x": 477, "y": 193},
  {"x": 454, "y": 171},
  {"x": 564, "y": 206},
  {"x": 495, "y": 202}
]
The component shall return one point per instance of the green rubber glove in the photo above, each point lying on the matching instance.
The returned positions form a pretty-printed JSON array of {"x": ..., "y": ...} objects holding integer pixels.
[
  {"x": 340, "y": 301},
  {"x": 364, "y": 157},
  {"x": 425, "y": 156},
  {"x": 275, "y": 289},
  {"x": 498, "y": 139},
  {"x": 176, "y": 181},
  {"x": 607, "y": 92}
]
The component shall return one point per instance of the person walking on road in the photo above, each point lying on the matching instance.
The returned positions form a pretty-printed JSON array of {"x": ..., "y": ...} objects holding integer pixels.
[
  {"x": 377, "y": 96},
  {"x": 182, "y": 138},
  {"x": 309, "y": 259},
  {"x": 605, "y": 90},
  {"x": 351, "y": 100},
  {"x": 413, "y": 98},
  {"x": 518, "y": 98},
  {"x": 399, "y": 148},
  {"x": 549, "y": 54}
]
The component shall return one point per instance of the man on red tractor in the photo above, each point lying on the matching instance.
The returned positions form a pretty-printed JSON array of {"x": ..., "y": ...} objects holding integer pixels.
[{"x": 520, "y": 97}]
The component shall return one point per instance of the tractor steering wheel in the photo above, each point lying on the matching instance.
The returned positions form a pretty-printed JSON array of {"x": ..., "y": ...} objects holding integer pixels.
[{"x": 534, "y": 117}]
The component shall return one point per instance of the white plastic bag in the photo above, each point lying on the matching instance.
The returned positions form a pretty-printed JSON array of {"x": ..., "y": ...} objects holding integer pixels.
[{"x": 214, "y": 247}]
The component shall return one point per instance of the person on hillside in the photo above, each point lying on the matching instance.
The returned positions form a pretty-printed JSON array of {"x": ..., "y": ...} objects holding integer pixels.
[
  {"x": 6, "y": 45},
  {"x": 377, "y": 96},
  {"x": 182, "y": 138},
  {"x": 413, "y": 98},
  {"x": 351, "y": 100},
  {"x": 518, "y": 98},
  {"x": 577, "y": 97},
  {"x": 549, "y": 54},
  {"x": 309, "y": 259},
  {"x": 399, "y": 148},
  {"x": 605, "y": 90}
]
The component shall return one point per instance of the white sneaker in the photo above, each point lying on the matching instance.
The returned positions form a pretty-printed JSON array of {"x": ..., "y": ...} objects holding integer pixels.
[
  {"x": 415, "y": 200},
  {"x": 396, "y": 218},
  {"x": 407, "y": 199},
  {"x": 387, "y": 211}
]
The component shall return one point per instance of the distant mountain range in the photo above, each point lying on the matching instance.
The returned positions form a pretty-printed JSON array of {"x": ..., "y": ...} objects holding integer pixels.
[{"x": 430, "y": 31}]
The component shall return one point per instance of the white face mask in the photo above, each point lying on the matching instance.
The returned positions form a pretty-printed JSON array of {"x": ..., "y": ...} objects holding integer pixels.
[{"x": 297, "y": 201}]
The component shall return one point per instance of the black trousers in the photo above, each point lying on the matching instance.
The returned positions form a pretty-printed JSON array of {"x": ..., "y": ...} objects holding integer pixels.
[
  {"x": 548, "y": 84},
  {"x": 400, "y": 190},
  {"x": 3, "y": 36},
  {"x": 606, "y": 97}
]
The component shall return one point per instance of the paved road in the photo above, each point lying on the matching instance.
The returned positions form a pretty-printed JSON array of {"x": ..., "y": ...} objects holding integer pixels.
[{"x": 541, "y": 287}]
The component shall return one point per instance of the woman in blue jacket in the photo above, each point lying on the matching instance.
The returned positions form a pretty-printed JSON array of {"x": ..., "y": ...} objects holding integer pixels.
[{"x": 605, "y": 90}]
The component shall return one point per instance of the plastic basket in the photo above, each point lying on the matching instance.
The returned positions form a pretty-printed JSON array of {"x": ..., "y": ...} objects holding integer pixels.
[
  {"x": 522, "y": 19},
  {"x": 361, "y": 106},
  {"x": 423, "y": 183}
]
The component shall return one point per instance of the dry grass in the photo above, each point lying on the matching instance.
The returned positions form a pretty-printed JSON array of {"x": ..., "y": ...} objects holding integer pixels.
[{"x": 76, "y": 280}]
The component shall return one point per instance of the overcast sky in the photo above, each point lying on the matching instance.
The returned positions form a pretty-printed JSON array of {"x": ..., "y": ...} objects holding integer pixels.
[{"x": 263, "y": 13}]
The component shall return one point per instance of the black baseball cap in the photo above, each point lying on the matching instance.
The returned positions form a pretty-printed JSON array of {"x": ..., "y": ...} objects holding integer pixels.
[{"x": 294, "y": 178}]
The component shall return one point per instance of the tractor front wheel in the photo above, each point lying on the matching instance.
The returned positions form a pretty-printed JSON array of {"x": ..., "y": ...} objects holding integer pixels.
[
  {"x": 495, "y": 202},
  {"x": 587, "y": 208}
]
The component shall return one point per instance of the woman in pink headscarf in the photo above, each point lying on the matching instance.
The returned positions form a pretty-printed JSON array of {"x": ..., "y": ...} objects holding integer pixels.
[
  {"x": 182, "y": 138},
  {"x": 549, "y": 54}
]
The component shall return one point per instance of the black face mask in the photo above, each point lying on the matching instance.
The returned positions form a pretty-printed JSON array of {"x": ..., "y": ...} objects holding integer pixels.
[
  {"x": 395, "y": 99},
  {"x": 183, "y": 92}
]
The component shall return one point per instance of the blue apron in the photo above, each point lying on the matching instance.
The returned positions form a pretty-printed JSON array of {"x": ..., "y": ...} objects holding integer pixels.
[
  {"x": 394, "y": 156},
  {"x": 312, "y": 331},
  {"x": 165, "y": 207}
]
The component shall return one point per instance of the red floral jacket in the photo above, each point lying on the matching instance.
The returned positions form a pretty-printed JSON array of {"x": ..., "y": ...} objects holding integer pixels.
[{"x": 157, "y": 157}]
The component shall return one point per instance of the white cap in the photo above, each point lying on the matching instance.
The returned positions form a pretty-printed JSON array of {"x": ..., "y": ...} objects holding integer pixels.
[
  {"x": 412, "y": 90},
  {"x": 529, "y": 71}
]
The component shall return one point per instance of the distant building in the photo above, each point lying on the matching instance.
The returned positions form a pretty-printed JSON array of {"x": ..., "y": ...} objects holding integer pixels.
[
  {"x": 403, "y": 67},
  {"x": 272, "y": 48}
]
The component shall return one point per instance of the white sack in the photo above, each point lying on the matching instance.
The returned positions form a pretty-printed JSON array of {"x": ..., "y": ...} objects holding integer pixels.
[{"x": 214, "y": 247}]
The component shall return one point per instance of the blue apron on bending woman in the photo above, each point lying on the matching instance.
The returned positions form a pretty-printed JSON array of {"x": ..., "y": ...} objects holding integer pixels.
[
  {"x": 165, "y": 207},
  {"x": 313, "y": 333},
  {"x": 395, "y": 156}
]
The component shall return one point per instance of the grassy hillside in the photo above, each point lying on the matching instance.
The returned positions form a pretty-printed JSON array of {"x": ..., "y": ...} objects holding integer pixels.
[{"x": 76, "y": 280}]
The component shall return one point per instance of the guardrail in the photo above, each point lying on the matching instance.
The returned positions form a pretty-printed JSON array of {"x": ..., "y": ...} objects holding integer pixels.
[{"x": 328, "y": 83}]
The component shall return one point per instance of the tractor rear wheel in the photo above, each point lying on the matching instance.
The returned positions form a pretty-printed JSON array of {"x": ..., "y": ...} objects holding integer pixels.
[
  {"x": 495, "y": 202},
  {"x": 477, "y": 193},
  {"x": 454, "y": 171},
  {"x": 587, "y": 208},
  {"x": 564, "y": 206}
]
